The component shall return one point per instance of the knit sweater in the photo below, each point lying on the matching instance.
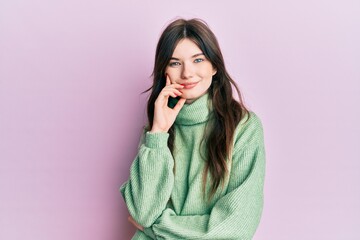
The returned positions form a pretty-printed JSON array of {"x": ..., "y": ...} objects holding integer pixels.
[{"x": 169, "y": 203}]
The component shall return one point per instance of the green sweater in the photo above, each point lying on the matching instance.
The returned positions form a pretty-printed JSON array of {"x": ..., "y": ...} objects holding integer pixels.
[{"x": 171, "y": 205}]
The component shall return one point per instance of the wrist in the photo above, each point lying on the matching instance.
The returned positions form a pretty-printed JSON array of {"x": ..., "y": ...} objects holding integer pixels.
[{"x": 157, "y": 130}]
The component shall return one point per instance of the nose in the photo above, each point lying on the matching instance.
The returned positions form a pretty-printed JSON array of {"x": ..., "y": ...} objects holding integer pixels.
[{"x": 187, "y": 71}]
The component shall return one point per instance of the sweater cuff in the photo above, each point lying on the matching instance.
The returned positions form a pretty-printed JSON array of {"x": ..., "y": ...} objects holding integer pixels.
[
  {"x": 156, "y": 140},
  {"x": 149, "y": 232}
]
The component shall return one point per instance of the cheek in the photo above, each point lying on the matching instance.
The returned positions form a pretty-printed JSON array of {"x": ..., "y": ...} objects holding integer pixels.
[
  {"x": 206, "y": 72},
  {"x": 171, "y": 74},
  {"x": 206, "y": 75}
]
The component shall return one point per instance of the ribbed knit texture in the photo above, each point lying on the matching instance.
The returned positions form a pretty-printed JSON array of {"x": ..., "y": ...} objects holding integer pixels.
[{"x": 171, "y": 205}]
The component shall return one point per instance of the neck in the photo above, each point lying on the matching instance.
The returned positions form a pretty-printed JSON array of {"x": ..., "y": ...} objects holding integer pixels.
[{"x": 191, "y": 100}]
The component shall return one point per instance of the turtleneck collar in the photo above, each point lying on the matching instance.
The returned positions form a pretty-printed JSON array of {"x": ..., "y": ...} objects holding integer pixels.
[{"x": 196, "y": 112}]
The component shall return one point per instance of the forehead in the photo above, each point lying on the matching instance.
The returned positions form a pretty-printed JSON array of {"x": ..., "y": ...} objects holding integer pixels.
[{"x": 186, "y": 49}]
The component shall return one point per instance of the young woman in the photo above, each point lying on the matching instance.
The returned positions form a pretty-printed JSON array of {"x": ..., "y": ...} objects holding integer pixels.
[{"x": 199, "y": 171}]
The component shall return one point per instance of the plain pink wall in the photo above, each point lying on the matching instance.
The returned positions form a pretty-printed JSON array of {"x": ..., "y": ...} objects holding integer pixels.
[{"x": 71, "y": 73}]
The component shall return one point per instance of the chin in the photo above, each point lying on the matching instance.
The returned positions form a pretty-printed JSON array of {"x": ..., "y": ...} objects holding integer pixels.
[{"x": 191, "y": 97}]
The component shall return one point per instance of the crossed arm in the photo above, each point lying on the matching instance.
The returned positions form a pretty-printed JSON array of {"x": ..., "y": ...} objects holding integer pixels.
[{"x": 234, "y": 216}]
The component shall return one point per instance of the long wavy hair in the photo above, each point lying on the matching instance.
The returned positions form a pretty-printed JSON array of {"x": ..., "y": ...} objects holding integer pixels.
[{"x": 227, "y": 111}]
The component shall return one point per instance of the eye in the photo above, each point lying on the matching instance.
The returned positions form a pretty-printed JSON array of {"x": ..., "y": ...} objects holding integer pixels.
[
  {"x": 199, "y": 60},
  {"x": 173, "y": 64}
]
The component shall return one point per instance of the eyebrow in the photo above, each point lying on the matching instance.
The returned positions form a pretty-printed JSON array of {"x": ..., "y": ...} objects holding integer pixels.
[{"x": 198, "y": 54}]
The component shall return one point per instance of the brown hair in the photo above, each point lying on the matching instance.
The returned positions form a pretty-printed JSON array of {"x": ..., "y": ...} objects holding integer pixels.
[{"x": 227, "y": 111}]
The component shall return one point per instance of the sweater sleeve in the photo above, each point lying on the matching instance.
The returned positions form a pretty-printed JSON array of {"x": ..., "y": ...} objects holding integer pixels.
[
  {"x": 237, "y": 214},
  {"x": 151, "y": 179}
]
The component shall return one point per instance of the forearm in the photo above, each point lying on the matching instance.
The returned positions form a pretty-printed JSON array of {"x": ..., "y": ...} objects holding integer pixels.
[
  {"x": 238, "y": 223},
  {"x": 151, "y": 180}
]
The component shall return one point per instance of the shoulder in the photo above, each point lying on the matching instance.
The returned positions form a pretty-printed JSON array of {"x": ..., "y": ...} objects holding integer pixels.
[{"x": 249, "y": 130}]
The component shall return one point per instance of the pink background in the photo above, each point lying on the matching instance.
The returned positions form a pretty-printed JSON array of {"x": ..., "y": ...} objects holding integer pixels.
[{"x": 71, "y": 73}]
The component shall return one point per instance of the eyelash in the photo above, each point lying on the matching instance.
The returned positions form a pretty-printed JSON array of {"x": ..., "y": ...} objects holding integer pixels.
[{"x": 173, "y": 64}]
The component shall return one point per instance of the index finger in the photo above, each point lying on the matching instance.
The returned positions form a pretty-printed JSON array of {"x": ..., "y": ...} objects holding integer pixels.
[{"x": 167, "y": 80}]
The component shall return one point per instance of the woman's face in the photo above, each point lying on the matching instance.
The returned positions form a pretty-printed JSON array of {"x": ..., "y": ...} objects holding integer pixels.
[{"x": 188, "y": 66}]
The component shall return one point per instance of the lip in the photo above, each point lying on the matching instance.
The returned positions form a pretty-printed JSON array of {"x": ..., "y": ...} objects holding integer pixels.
[{"x": 189, "y": 85}]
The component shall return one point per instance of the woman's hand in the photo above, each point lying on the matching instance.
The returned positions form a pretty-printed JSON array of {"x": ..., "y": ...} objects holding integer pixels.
[
  {"x": 164, "y": 117},
  {"x": 130, "y": 219}
]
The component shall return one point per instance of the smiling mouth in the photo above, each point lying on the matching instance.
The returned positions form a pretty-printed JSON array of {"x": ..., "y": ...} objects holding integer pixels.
[{"x": 189, "y": 85}]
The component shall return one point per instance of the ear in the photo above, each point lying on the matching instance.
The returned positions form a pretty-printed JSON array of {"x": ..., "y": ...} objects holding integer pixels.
[{"x": 214, "y": 71}]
